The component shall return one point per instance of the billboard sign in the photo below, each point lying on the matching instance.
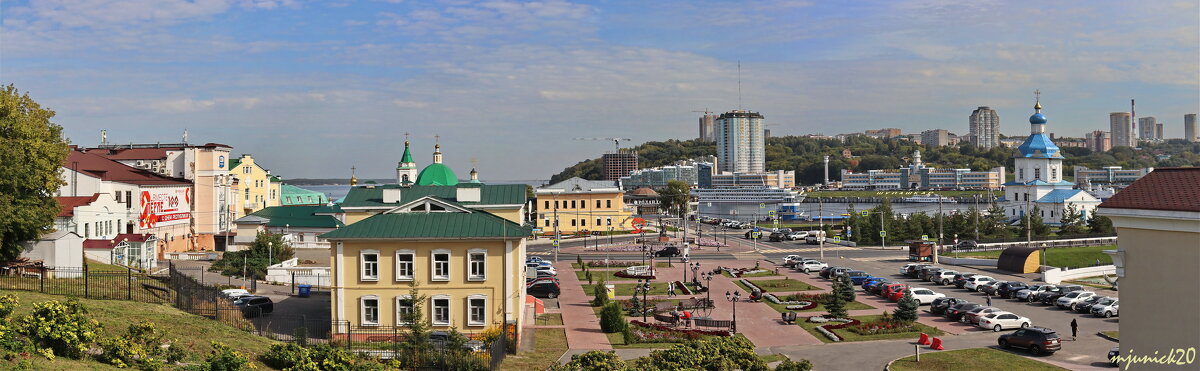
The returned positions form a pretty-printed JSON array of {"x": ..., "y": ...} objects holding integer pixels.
[{"x": 165, "y": 206}]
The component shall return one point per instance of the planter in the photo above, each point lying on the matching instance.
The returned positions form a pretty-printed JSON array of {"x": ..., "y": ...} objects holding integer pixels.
[{"x": 659, "y": 327}]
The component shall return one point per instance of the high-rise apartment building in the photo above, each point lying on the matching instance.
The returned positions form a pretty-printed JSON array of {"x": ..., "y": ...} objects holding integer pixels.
[
  {"x": 1147, "y": 128},
  {"x": 935, "y": 137},
  {"x": 1098, "y": 141},
  {"x": 740, "y": 142},
  {"x": 619, "y": 164},
  {"x": 1189, "y": 127},
  {"x": 1121, "y": 129},
  {"x": 706, "y": 126},
  {"x": 985, "y": 127}
]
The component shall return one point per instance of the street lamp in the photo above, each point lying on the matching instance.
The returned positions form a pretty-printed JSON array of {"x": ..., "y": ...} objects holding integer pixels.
[
  {"x": 708, "y": 288},
  {"x": 645, "y": 289},
  {"x": 733, "y": 298}
]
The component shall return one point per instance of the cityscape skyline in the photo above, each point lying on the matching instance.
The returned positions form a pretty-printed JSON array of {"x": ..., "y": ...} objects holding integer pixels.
[{"x": 283, "y": 79}]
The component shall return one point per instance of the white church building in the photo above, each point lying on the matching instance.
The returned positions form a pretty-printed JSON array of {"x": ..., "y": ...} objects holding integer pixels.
[{"x": 1038, "y": 181}]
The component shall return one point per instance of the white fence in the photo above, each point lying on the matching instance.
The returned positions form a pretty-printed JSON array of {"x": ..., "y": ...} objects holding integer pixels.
[
  {"x": 1057, "y": 275},
  {"x": 966, "y": 261},
  {"x": 290, "y": 269},
  {"x": 207, "y": 256}
]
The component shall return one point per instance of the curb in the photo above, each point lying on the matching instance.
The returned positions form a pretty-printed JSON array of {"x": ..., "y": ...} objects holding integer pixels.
[{"x": 1110, "y": 338}]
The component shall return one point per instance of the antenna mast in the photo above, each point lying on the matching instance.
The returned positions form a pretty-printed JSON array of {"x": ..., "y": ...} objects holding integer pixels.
[{"x": 739, "y": 84}]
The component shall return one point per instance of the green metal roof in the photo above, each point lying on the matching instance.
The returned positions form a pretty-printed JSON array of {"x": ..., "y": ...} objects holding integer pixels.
[
  {"x": 234, "y": 162},
  {"x": 498, "y": 194},
  {"x": 293, "y": 195},
  {"x": 430, "y": 225},
  {"x": 298, "y": 217},
  {"x": 437, "y": 174},
  {"x": 407, "y": 157}
]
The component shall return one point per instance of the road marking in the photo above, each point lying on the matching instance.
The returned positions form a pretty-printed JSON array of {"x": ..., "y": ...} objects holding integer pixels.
[
  {"x": 539, "y": 252},
  {"x": 880, "y": 258},
  {"x": 802, "y": 249}
]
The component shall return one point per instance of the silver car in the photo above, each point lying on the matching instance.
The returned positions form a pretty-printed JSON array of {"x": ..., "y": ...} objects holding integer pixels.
[
  {"x": 1069, "y": 300},
  {"x": 1106, "y": 308}
]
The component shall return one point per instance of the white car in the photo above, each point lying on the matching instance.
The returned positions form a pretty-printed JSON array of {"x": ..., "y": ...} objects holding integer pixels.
[
  {"x": 796, "y": 236},
  {"x": 973, "y": 283},
  {"x": 904, "y": 269},
  {"x": 234, "y": 293},
  {"x": 791, "y": 259},
  {"x": 1003, "y": 320},
  {"x": 1069, "y": 300},
  {"x": 944, "y": 277},
  {"x": 811, "y": 266},
  {"x": 550, "y": 270},
  {"x": 533, "y": 259},
  {"x": 924, "y": 295}
]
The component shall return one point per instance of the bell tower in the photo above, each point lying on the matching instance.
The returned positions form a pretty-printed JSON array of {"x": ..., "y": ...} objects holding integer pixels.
[{"x": 406, "y": 170}]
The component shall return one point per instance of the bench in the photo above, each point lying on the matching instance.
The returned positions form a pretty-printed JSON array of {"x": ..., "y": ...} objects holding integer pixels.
[
  {"x": 713, "y": 323},
  {"x": 664, "y": 306},
  {"x": 788, "y": 318},
  {"x": 666, "y": 318}
]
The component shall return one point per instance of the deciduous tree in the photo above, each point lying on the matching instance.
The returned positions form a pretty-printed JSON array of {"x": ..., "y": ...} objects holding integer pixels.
[{"x": 32, "y": 151}]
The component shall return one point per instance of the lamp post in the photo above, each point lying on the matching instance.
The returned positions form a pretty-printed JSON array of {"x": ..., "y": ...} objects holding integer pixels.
[
  {"x": 645, "y": 289},
  {"x": 733, "y": 298},
  {"x": 695, "y": 272},
  {"x": 708, "y": 287}
]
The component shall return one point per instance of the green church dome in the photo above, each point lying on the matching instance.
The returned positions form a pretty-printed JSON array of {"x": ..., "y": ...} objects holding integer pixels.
[{"x": 437, "y": 174}]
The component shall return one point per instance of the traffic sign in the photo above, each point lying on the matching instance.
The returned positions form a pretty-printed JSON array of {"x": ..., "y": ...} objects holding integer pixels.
[
  {"x": 864, "y": 213},
  {"x": 762, "y": 205},
  {"x": 882, "y": 233},
  {"x": 924, "y": 237},
  {"x": 837, "y": 239},
  {"x": 555, "y": 243},
  {"x": 771, "y": 213}
]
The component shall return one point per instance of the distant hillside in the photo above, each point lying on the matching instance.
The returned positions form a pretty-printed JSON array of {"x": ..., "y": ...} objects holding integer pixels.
[
  {"x": 331, "y": 181},
  {"x": 804, "y": 155}
]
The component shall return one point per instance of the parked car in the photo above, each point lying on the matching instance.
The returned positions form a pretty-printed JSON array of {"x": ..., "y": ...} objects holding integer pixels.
[
  {"x": 234, "y": 293},
  {"x": 924, "y": 295},
  {"x": 533, "y": 259},
  {"x": 838, "y": 271},
  {"x": 1003, "y": 320},
  {"x": 990, "y": 287},
  {"x": 1069, "y": 300},
  {"x": 1030, "y": 294},
  {"x": 893, "y": 289},
  {"x": 961, "y": 279},
  {"x": 957, "y": 311},
  {"x": 1085, "y": 306},
  {"x": 1107, "y": 308},
  {"x": 943, "y": 277},
  {"x": 791, "y": 260},
  {"x": 857, "y": 277},
  {"x": 797, "y": 235},
  {"x": 913, "y": 270},
  {"x": 974, "y": 282},
  {"x": 811, "y": 266},
  {"x": 254, "y": 306},
  {"x": 972, "y": 316},
  {"x": 544, "y": 289},
  {"x": 1038, "y": 340},
  {"x": 1007, "y": 289},
  {"x": 877, "y": 288},
  {"x": 1049, "y": 296},
  {"x": 1112, "y": 355},
  {"x": 871, "y": 281},
  {"x": 926, "y": 272},
  {"x": 939, "y": 305},
  {"x": 904, "y": 269},
  {"x": 829, "y": 272}
]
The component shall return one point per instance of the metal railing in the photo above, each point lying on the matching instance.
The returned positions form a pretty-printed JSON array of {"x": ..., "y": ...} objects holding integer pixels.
[{"x": 108, "y": 283}]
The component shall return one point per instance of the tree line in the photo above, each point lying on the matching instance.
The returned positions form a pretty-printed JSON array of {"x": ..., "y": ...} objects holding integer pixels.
[{"x": 973, "y": 224}]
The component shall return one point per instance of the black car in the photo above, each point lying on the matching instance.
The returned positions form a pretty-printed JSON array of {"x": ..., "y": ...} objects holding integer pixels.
[
  {"x": 957, "y": 311},
  {"x": 1038, "y": 340},
  {"x": 1007, "y": 289},
  {"x": 940, "y": 305},
  {"x": 667, "y": 252},
  {"x": 960, "y": 279},
  {"x": 254, "y": 306},
  {"x": 991, "y": 289},
  {"x": 777, "y": 237},
  {"x": 1049, "y": 297},
  {"x": 925, "y": 272},
  {"x": 1085, "y": 306},
  {"x": 1112, "y": 355},
  {"x": 878, "y": 287},
  {"x": 913, "y": 270},
  {"x": 544, "y": 289},
  {"x": 968, "y": 244}
]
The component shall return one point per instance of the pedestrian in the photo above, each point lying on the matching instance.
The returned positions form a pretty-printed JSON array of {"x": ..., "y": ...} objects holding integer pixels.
[
  {"x": 670, "y": 289},
  {"x": 1074, "y": 329},
  {"x": 989, "y": 300}
]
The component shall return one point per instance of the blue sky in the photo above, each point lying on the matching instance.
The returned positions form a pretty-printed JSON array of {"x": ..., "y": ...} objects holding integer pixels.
[{"x": 312, "y": 88}]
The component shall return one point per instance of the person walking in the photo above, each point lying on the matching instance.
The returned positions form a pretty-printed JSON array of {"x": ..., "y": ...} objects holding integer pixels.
[
  {"x": 989, "y": 300},
  {"x": 1074, "y": 329},
  {"x": 670, "y": 289}
]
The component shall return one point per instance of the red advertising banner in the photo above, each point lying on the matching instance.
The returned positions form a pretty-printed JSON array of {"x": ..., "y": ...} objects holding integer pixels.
[{"x": 165, "y": 206}]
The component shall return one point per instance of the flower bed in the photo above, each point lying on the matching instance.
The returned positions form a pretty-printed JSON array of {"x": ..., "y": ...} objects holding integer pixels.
[
  {"x": 739, "y": 272},
  {"x": 827, "y": 330},
  {"x": 623, "y": 274},
  {"x": 882, "y": 327},
  {"x": 690, "y": 332},
  {"x": 709, "y": 241}
]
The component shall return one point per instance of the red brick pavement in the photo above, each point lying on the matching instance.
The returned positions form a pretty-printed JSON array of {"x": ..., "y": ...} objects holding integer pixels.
[{"x": 583, "y": 328}]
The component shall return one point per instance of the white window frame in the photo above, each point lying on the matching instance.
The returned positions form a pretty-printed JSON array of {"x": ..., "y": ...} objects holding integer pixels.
[
  {"x": 433, "y": 262},
  {"x": 399, "y": 299},
  {"x": 433, "y": 311},
  {"x": 470, "y": 316},
  {"x": 412, "y": 265},
  {"x": 362, "y": 265},
  {"x": 362, "y": 310},
  {"x": 470, "y": 265}
]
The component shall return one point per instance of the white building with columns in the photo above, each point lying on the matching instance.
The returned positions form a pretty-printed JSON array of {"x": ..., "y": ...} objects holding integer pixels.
[{"x": 1039, "y": 183}]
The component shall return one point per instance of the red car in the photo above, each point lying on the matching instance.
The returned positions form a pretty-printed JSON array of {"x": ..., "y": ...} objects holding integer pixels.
[
  {"x": 890, "y": 290},
  {"x": 897, "y": 295}
]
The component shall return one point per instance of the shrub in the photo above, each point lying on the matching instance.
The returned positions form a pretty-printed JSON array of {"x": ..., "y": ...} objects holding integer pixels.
[
  {"x": 8, "y": 304},
  {"x": 596, "y": 360},
  {"x": 143, "y": 347},
  {"x": 836, "y": 304},
  {"x": 611, "y": 319},
  {"x": 224, "y": 358},
  {"x": 789, "y": 365},
  {"x": 58, "y": 328},
  {"x": 906, "y": 310},
  {"x": 724, "y": 353},
  {"x": 579, "y": 259},
  {"x": 490, "y": 334},
  {"x": 600, "y": 294}
]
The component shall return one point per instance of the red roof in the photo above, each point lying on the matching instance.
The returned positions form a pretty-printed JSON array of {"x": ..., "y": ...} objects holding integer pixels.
[
  {"x": 132, "y": 237},
  {"x": 106, "y": 169},
  {"x": 67, "y": 205},
  {"x": 1167, "y": 188},
  {"x": 108, "y": 244},
  {"x": 98, "y": 244}
]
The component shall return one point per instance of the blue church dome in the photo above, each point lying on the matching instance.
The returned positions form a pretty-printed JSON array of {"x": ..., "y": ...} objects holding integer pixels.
[{"x": 1037, "y": 118}]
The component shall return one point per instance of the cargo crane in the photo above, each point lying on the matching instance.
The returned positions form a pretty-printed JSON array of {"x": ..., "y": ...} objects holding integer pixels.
[{"x": 616, "y": 142}]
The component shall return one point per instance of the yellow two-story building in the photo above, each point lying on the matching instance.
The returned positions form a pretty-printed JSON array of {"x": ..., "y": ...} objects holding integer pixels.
[
  {"x": 257, "y": 188},
  {"x": 579, "y": 205}
]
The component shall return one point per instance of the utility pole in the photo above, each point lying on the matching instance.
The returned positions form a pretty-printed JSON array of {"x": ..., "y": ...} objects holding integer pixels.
[
  {"x": 557, "y": 236},
  {"x": 882, "y": 231},
  {"x": 977, "y": 212},
  {"x": 941, "y": 215},
  {"x": 1028, "y": 227},
  {"x": 821, "y": 215}
]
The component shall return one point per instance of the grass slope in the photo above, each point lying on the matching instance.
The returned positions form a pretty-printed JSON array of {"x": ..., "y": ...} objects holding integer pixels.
[
  {"x": 548, "y": 346},
  {"x": 975, "y": 359},
  {"x": 848, "y": 335},
  {"x": 192, "y": 332},
  {"x": 1074, "y": 257}
]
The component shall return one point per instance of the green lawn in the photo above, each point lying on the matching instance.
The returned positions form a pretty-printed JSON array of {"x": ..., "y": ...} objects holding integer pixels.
[
  {"x": 117, "y": 315},
  {"x": 1113, "y": 334},
  {"x": 618, "y": 342},
  {"x": 766, "y": 273},
  {"x": 848, "y": 336},
  {"x": 780, "y": 285},
  {"x": 548, "y": 345},
  {"x": 1075, "y": 257},
  {"x": 819, "y": 308},
  {"x": 821, "y": 194},
  {"x": 975, "y": 359},
  {"x": 548, "y": 319},
  {"x": 624, "y": 264},
  {"x": 626, "y": 289}
]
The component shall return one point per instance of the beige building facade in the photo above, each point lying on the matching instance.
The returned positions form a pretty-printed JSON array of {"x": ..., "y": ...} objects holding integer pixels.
[{"x": 579, "y": 206}]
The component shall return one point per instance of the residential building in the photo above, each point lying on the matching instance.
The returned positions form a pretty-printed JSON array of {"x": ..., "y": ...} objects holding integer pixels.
[
  {"x": 1098, "y": 141},
  {"x": 620, "y": 163},
  {"x": 1108, "y": 176},
  {"x": 644, "y": 200},
  {"x": 204, "y": 166},
  {"x": 985, "y": 127},
  {"x": 577, "y": 205},
  {"x": 1039, "y": 183},
  {"x": 1121, "y": 129},
  {"x": 300, "y": 226},
  {"x": 740, "y": 142},
  {"x": 785, "y": 179},
  {"x": 1157, "y": 219},
  {"x": 935, "y": 137},
  {"x": 256, "y": 189},
  {"x": 1189, "y": 128},
  {"x": 917, "y": 176},
  {"x": 691, "y": 172},
  {"x": 883, "y": 133},
  {"x": 290, "y": 195},
  {"x": 1148, "y": 128},
  {"x": 102, "y": 198},
  {"x": 706, "y": 127}
]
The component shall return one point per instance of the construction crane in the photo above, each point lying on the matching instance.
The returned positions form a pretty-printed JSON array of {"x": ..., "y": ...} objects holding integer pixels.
[
  {"x": 616, "y": 141},
  {"x": 706, "y": 112}
]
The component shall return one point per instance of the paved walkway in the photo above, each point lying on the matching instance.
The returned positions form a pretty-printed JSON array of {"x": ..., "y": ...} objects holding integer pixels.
[{"x": 581, "y": 323}]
